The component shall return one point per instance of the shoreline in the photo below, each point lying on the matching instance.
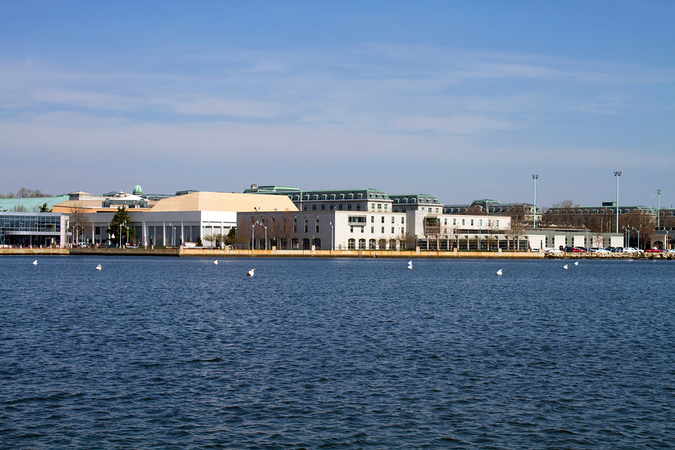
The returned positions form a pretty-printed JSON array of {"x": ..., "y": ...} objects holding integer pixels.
[{"x": 392, "y": 254}]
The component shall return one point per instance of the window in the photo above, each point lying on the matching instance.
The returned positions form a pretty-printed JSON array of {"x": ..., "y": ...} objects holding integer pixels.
[
  {"x": 379, "y": 206},
  {"x": 358, "y": 206},
  {"x": 463, "y": 221},
  {"x": 372, "y": 229},
  {"x": 351, "y": 229},
  {"x": 445, "y": 221},
  {"x": 480, "y": 222},
  {"x": 385, "y": 207},
  {"x": 454, "y": 221},
  {"x": 497, "y": 222},
  {"x": 372, "y": 219},
  {"x": 349, "y": 207},
  {"x": 351, "y": 244},
  {"x": 402, "y": 219},
  {"x": 471, "y": 222},
  {"x": 323, "y": 207},
  {"x": 392, "y": 230},
  {"x": 382, "y": 230},
  {"x": 402, "y": 230},
  {"x": 362, "y": 244},
  {"x": 382, "y": 219},
  {"x": 313, "y": 207},
  {"x": 304, "y": 207},
  {"x": 392, "y": 219}
]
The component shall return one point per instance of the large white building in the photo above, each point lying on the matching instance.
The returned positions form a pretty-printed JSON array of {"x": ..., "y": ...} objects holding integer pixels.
[{"x": 367, "y": 219}]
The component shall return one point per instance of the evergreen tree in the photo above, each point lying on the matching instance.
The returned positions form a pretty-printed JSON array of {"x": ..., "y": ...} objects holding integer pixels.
[
  {"x": 45, "y": 208},
  {"x": 121, "y": 223}
]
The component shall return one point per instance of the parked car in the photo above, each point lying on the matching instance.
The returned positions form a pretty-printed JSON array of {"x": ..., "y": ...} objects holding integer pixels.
[
  {"x": 630, "y": 250},
  {"x": 601, "y": 251},
  {"x": 554, "y": 251},
  {"x": 578, "y": 250},
  {"x": 654, "y": 250}
]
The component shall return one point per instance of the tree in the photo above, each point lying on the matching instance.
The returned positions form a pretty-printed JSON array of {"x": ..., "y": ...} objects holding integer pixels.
[
  {"x": 515, "y": 231},
  {"x": 121, "y": 223},
  {"x": 25, "y": 193},
  {"x": 79, "y": 221},
  {"x": 231, "y": 237},
  {"x": 44, "y": 208},
  {"x": 638, "y": 221}
]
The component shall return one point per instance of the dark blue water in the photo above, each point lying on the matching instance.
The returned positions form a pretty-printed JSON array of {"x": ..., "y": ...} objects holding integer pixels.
[{"x": 347, "y": 353}]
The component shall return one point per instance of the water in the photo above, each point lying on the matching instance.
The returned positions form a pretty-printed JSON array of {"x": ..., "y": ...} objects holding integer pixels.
[{"x": 342, "y": 353}]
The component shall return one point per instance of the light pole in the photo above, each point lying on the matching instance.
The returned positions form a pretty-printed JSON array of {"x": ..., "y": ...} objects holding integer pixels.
[
  {"x": 332, "y": 231},
  {"x": 265, "y": 227},
  {"x": 626, "y": 241},
  {"x": 121, "y": 234},
  {"x": 658, "y": 208},
  {"x": 638, "y": 233},
  {"x": 253, "y": 234},
  {"x": 535, "y": 177},
  {"x": 617, "y": 174}
]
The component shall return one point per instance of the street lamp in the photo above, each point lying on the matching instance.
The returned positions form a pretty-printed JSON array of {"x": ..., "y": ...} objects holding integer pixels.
[
  {"x": 535, "y": 177},
  {"x": 658, "y": 208},
  {"x": 265, "y": 227},
  {"x": 253, "y": 234},
  {"x": 617, "y": 174},
  {"x": 638, "y": 233},
  {"x": 332, "y": 231}
]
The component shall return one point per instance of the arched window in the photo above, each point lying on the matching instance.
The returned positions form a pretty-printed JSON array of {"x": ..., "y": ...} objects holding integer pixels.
[
  {"x": 362, "y": 244},
  {"x": 305, "y": 244},
  {"x": 351, "y": 244},
  {"x": 372, "y": 244}
]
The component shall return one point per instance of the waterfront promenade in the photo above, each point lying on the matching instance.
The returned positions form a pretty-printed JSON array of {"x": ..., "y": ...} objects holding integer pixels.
[{"x": 402, "y": 254}]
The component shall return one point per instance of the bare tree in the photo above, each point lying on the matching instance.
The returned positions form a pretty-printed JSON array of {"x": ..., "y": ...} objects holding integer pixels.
[
  {"x": 79, "y": 220},
  {"x": 515, "y": 231},
  {"x": 641, "y": 222}
]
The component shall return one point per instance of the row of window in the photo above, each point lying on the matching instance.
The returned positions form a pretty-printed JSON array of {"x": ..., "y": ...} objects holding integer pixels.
[{"x": 372, "y": 229}]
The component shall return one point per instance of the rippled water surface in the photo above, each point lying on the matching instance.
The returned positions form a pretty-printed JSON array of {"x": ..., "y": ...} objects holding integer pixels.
[{"x": 341, "y": 353}]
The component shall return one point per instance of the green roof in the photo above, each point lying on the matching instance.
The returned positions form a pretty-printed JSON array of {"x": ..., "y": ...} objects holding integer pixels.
[{"x": 30, "y": 204}]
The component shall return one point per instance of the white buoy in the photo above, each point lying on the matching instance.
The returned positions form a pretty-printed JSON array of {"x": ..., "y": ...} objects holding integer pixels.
[
  {"x": 251, "y": 272},
  {"x": 566, "y": 266},
  {"x": 410, "y": 264},
  {"x": 35, "y": 262},
  {"x": 499, "y": 272},
  {"x": 215, "y": 263},
  {"x": 98, "y": 267},
  {"x": 576, "y": 263}
]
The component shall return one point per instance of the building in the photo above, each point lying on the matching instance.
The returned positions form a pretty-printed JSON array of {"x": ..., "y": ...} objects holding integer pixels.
[
  {"x": 33, "y": 229},
  {"x": 170, "y": 221},
  {"x": 367, "y": 219}
]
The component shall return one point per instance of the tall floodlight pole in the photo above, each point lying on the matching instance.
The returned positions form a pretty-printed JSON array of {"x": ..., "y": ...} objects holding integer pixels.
[
  {"x": 617, "y": 174},
  {"x": 535, "y": 177},
  {"x": 658, "y": 208}
]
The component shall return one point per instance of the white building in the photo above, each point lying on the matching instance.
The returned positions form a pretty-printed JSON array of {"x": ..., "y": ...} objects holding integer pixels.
[{"x": 367, "y": 219}]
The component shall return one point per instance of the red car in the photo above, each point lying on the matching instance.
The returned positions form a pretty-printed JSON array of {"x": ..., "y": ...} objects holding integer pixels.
[
  {"x": 654, "y": 250},
  {"x": 579, "y": 250}
]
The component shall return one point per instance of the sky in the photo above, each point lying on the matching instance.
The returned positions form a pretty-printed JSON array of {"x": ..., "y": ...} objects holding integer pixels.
[{"x": 463, "y": 100}]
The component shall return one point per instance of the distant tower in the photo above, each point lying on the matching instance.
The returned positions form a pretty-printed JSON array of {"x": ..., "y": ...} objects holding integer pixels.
[{"x": 138, "y": 190}]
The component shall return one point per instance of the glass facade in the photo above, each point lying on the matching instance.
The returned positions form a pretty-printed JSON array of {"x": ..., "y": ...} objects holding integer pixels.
[{"x": 30, "y": 229}]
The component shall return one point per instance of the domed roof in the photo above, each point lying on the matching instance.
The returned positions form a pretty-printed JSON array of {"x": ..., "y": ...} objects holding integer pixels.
[{"x": 138, "y": 190}]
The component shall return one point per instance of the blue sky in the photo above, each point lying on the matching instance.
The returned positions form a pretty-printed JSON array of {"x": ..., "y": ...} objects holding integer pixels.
[{"x": 460, "y": 99}]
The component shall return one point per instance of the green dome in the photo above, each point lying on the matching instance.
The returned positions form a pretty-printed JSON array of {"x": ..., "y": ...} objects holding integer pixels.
[{"x": 138, "y": 190}]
